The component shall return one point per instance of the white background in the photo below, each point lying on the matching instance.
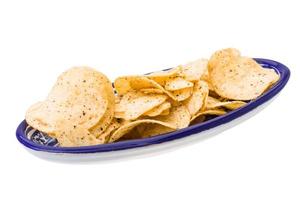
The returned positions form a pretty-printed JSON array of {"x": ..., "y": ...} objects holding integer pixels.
[{"x": 258, "y": 159}]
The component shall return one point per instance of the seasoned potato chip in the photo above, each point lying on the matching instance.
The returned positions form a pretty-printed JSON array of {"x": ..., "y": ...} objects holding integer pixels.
[
  {"x": 78, "y": 100},
  {"x": 183, "y": 94},
  {"x": 105, "y": 121},
  {"x": 193, "y": 71},
  {"x": 123, "y": 130},
  {"x": 177, "y": 83},
  {"x": 126, "y": 83},
  {"x": 198, "y": 99},
  {"x": 151, "y": 91},
  {"x": 105, "y": 135},
  {"x": 158, "y": 110},
  {"x": 134, "y": 104},
  {"x": 239, "y": 78},
  {"x": 149, "y": 130},
  {"x": 209, "y": 112},
  {"x": 179, "y": 117},
  {"x": 215, "y": 103},
  {"x": 161, "y": 77}
]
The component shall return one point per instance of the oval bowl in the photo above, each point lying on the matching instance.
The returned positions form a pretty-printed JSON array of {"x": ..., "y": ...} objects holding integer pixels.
[{"x": 193, "y": 133}]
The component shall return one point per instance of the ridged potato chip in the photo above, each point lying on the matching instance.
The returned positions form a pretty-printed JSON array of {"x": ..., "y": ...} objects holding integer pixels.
[
  {"x": 134, "y": 104},
  {"x": 177, "y": 83},
  {"x": 239, "y": 78},
  {"x": 198, "y": 99},
  {"x": 158, "y": 110}
]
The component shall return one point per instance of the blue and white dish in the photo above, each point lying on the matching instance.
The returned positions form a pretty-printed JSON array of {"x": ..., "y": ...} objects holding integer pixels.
[{"x": 44, "y": 146}]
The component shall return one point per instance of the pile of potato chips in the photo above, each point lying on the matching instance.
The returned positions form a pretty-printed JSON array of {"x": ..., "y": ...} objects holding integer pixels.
[{"x": 82, "y": 109}]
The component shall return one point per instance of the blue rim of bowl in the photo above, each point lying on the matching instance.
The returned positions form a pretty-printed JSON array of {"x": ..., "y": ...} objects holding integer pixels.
[{"x": 193, "y": 129}]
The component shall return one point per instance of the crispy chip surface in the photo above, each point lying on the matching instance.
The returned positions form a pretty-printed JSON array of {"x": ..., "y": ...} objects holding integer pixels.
[
  {"x": 134, "y": 104},
  {"x": 238, "y": 78}
]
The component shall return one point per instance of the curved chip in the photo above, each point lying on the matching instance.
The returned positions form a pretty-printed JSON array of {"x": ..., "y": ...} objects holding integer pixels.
[
  {"x": 198, "y": 98},
  {"x": 209, "y": 112},
  {"x": 134, "y": 104},
  {"x": 231, "y": 105},
  {"x": 177, "y": 83},
  {"x": 123, "y": 130},
  {"x": 151, "y": 91},
  {"x": 78, "y": 100},
  {"x": 127, "y": 83},
  {"x": 105, "y": 135},
  {"x": 183, "y": 94},
  {"x": 193, "y": 71},
  {"x": 158, "y": 110},
  {"x": 161, "y": 77},
  {"x": 179, "y": 117},
  {"x": 239, "y": 78}
]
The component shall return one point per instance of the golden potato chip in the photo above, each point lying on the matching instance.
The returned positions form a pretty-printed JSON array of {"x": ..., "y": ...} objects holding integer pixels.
[
  {"x": 198, "y": 99},
  {"x": 134, "y": 104},
  {"x": 75, "y": 136},
  {"x": 105, "y": 135},
  {"x": 151, "y": 91},
  {"x": 126, "y": 83},
  {"x": 239, "y": 78},
  {"x": 165, "y": 112},
  {"x": 158, "y": 109},
  {"x": 123, "y": 130},
  {"x": 209, "y": 112},
  {"x": 231, "y": 105},
  {"x": 78, "y": 100},
  {"x": 179, "y": 117},
  {"x": 183, "y": 94},
  {"x": 177, "y": 83},
  {"x": 193, "y": 71},
  {"x": 105, "y": 121},
  {"x": 150, "y": 130},
  {"x": 161, "y": 77}
]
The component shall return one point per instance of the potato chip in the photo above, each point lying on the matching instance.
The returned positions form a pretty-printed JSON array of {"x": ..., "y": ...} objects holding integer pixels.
[
  {"x": 105, "y": 121},
  {"x": 165, "y": 112},
  {"x": 126, "y": 83},
  {"x": 193, "y": 71},
  {"x": 179, "y": 117},
  {"x": 150, "y": 130},
  {"x": 183, "y": 94},
  {"x": 158, "y": 109},
  {"x": 177, "y": 83},
  {"x": 161, "y": 77},
  {"x": 78, "y": 100},
  {"x": 151, "y": 91},
  {"x": 198, "y": 99},
  {"x": 123, "y": 130},
  {"x": 209, "y": 112},
  {"x": 231, "y": 105},
  {"x": 134, "y": 104},
  {"x": 239, "y": 78},
  {"x": 105, "y": 135}
]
